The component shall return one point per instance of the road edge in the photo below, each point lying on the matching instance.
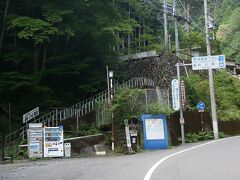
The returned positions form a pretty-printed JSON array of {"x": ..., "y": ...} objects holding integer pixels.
[{"x": 154, "y": 167}]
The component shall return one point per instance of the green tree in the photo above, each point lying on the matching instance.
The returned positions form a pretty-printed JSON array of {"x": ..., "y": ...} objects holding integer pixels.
[
  {"x": 35, "y": 30},
  {"x": 128, "y": 104},
  {"x": 230, "y": 36},
  {"x": 226, "y": 91}
]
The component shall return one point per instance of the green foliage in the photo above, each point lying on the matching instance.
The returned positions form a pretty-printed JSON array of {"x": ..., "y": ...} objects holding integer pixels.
[
  {"x": 128, "y": 104},
  {"x": 194, "y": 39},
  {"x": 72, "y": 41},
  {"x": 67, "y": 41},
  {"x": 84, "y": 130},
  {"x": 197, "y": 89},
  {"x": 230, "y": 35},
  {"x": 228, "y": 13},
  {"x": 15, "y": 152},
  {"x": 125, "y": 27},
  {"x": 24, "y": 93},
  {"x": 31, "y": 28},
  {"x": 224, "y": 10},
  {"x": 227, "y": 94},
  {"x": 200, "y": 136},
  {"x": 226, "y": 90},
  {"x": 55, "y": 15},
  {"x": 33, "y": 159},
  {"x": 190, "y": 138},
  {"x": 119, "y": 150},
  {"x": 157, "y": 108},
  {"x": 222, "y": 135}
]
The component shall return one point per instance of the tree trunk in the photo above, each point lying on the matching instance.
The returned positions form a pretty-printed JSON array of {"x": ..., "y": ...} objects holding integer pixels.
[
  {"x": 15, "y": 40},
  {"x": 36, "y": 57},
  {"x": 135, "y": 40},
  {"x": 129, "y": 37},
  {"x": 44, "y": 55},
  {"x": 144, "y": 40},
  {"x": 3, "y": 25},
  {"x": 1, "y": 151},
  {"x": 118, "y": 44},
  {"x": 139, "y": 39}
]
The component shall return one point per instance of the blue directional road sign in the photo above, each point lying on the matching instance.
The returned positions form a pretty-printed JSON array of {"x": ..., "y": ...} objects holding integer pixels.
[
  {"x": 201, "y": 106},
  {"x": 208, "y": 62}
]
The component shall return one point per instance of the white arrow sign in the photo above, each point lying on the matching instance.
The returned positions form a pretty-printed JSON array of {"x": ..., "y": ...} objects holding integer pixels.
[
  {"x": 175, "y": 94},
  {"x": 31, "y": 114}
]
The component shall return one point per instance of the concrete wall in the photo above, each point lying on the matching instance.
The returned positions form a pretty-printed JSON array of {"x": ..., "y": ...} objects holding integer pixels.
[
  {"x": 138, "y": 55},
  {"x": 85, "y": 145}
]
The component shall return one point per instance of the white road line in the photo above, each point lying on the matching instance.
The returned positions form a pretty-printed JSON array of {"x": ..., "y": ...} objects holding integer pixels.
[{"x": 153, "y": 168}]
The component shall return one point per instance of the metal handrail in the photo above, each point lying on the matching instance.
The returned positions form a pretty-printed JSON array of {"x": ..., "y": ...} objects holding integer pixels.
[{"x": 80, "y": 108}]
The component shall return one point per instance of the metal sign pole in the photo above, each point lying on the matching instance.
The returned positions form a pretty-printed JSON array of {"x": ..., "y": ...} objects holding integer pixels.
[{"x": 202, "y": 121}]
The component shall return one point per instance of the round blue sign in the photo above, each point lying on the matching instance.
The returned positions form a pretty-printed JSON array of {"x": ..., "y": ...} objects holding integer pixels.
[{"x": 201, "y": 106}]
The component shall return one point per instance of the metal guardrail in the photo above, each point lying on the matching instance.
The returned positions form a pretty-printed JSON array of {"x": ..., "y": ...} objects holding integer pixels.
[{"x": 79, "y": 109}]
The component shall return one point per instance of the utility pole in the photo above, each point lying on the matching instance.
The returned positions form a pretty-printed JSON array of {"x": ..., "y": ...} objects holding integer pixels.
[
  {"x": 187, "y": 26},
  {"x": 176, "y": 27},
  {"x": 165, "y": 24},
  {"x": 211, "y": 83},
  {"x": 129, "y": 36},
  {"x": 187, "y": 15},
  {"x": 3, "y": 25},
  {"x": 181, "y": 119}
]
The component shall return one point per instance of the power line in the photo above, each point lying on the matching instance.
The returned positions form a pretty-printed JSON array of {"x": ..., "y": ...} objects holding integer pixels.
[
  {"x": 190, "y": 17},
  {"x": 196, "y": 25}
]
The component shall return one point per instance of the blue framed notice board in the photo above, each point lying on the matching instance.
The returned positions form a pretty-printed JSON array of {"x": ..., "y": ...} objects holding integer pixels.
[{"x": 155, "y": 131}]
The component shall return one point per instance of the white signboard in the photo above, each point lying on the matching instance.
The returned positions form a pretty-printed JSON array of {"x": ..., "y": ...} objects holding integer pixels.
[
  {"x": 211, "y": 62},
  {"x": 128, "y": 139},
  {"x": 154, "y": 129},
  {"x": 175, "y": 94},
  {"x": 31, "y": 114}
]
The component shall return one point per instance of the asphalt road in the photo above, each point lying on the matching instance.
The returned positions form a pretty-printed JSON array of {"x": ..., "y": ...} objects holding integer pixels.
[{"x": 214, "y": 160}]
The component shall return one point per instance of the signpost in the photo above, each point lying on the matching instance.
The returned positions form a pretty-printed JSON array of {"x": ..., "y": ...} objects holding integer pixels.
[
  {"x": 155, "y": 131},
  {"x": 183, "y": 96},
  {"x": 175, "y": 94},
  {"x": 211, "y": 62},
  {"x": 201, "y": 107},
  {"x": 30, "y": 115}
]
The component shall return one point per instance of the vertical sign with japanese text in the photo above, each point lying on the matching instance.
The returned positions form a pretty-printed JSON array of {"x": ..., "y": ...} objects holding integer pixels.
[{"x": 175, "y": 94}]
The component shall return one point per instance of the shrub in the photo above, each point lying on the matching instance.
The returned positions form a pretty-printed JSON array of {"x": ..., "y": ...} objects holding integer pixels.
[
  {"x": 84, "y": 130},
  {"x": 201, "y": 136}
]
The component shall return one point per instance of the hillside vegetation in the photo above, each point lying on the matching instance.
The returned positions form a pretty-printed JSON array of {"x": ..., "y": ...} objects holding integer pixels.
[{"x": 53, "y": 53}]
